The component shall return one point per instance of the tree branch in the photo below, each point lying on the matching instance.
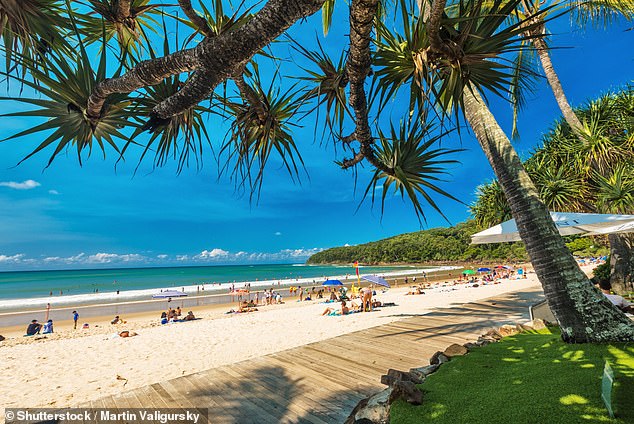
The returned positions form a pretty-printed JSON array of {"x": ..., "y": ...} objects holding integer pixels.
[
  {"x": 146, "y": 73},
  {"x": 349, "y": 163},
  {"x": 225, "y": 55},
  {"x": 217, "y": 57},
  {"x": 195, "y": 18},
  {"x": 362, "y": 14},
  {"x": 433, "y": 28},
  {"x": 123, "y": 10}
]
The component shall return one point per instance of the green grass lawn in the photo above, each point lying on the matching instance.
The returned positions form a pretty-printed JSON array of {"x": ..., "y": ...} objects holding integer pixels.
[{"x": 529, "y": 378}]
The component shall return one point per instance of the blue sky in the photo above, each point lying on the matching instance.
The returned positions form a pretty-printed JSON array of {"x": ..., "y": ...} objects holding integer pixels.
[{"x": 67, "y": 216}]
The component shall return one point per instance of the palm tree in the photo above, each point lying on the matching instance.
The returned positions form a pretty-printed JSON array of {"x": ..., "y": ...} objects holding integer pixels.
[
  {"x": 455, "y": 57},
  {"x": 585, "y": 174}
]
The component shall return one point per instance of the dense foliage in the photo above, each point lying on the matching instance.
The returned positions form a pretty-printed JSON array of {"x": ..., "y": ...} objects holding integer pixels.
[{"x": 434, "y": 245}]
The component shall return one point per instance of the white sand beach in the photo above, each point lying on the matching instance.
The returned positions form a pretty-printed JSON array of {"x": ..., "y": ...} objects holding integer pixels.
[{"x": 66, "y": 369}]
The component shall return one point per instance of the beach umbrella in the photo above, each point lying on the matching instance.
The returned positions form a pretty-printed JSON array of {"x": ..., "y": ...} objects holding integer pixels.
[
  {"x": 468, "y": 272},
  {"x": 168, "y": 293},
  {"x": 566, "y": 222},
  {"x": 376, "y": 280},
  {"x": 484, "y": 269},
  {"x": 332, "y": 283}
]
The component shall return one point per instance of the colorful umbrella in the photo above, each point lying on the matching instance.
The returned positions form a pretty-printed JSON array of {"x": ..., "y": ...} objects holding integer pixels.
[
  {"x": 332, "y": 283},
  {"x": 468, "y": 272},
  {"x": 376, "y": 280},
  {"x": 484, "y": 269}
]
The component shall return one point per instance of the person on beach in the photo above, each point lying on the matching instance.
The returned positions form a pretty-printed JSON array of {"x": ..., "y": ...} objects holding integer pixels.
[
  {"x": 164, "y": 318},
  {"x": 616, "y": 300},
  {"x": 189, "y": 317},
  {"x": 75, "y": 318},
  {"x": 117, "y": 320},
  {"x": 332, "y": 311},
  {"x": 48, "y": 327},
  {"x": 178, "y": 311},
  {"x": 366, "y": 293},
  {"x": 33, "y": 328}
]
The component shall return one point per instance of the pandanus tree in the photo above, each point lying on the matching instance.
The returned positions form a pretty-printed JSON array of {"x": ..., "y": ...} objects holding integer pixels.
[
  {"x": 447, "y": 62},
  {"x": 591, "y": 175}
]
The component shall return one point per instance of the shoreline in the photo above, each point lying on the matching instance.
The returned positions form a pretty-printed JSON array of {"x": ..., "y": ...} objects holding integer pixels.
[
  {"x": 12, "y": 324},
  {"x": 219, "y": 296}
]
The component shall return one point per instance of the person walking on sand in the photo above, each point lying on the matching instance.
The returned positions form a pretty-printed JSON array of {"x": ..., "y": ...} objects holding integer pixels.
[{"x": 75, "y": 318}]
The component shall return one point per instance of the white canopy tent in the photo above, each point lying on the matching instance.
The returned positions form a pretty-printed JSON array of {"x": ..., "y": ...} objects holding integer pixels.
[{"x": 567, "y": 223}]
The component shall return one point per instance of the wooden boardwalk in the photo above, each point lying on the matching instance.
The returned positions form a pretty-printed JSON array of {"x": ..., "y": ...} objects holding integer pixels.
[{"x": 322, "y": 382}]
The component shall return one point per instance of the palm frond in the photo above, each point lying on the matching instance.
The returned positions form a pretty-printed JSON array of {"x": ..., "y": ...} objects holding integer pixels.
[
  {"x": 65, "y": 85},
  {"x": 601, "y": 13},
  {"x": 130, "y": 31},
  {"x": 253, "y": 138},
  {"x": 417, "y": 166},
  {"x": 327, "y": 87},
  {"x": 30, "y": 29}
]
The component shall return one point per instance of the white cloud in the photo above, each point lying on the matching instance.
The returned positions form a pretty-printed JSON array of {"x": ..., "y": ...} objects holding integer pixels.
[
  {"x": 54, "y": 192},
  {"x": 162, "y": 256},
  {"x": 182, "y": 257},
  {"x": 24, "y": 185},
  {"x": 106, "y": 258},
  {"x": 11, "y": 259},
  {"x": 213, "y": 254},
  {"x": 277, "y": 233}
]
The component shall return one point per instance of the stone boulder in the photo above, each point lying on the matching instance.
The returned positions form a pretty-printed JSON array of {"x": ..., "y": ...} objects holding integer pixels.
[
  {"x": 394, "y": 376},
  {"x": 407, "y": 391},
  {"x": 372, "y": 410},
  {"x": 438, "y": 358},
  {"x": 508, "y": 330},
  {"x": 471, "y": 346},
  {"x": 455, "y": 350},
  {"x": 492, "y": 334},
  {"x": 423, "y": 372}
]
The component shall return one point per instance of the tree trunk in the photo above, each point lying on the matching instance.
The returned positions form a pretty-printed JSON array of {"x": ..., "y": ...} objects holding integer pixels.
[
  {"x": 584, "y": 315},
  {"x": 621, "y": 262},
  {"x": 553, "y": 81}
]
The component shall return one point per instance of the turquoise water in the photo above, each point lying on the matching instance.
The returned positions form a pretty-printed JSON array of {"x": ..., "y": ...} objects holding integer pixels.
[{"x": 38, "y": 284}]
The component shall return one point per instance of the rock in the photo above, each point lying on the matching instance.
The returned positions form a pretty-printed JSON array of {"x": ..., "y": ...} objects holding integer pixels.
[
  {"x": 523, "y": 327},
  {"x": 407, "y": 391},
  {"x": 538, "y": 324},
  {"x": 508, "y": 330},
  {"x": 372, "y": 410},
  {"x": 425, "y": 371},
  {"x": 438, "y": 358},
  {"x": 470, "y": 346},
  {"x": 492, "y": 334},
  {"x": 455, "y": 350},
  {"x": 2, "y": 338},
  {"x": 483, "y": 341},
  {"x": 394, "y": 376}
]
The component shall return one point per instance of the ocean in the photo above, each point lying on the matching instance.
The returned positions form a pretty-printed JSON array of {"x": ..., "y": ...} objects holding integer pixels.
[{"x": 34, "y": 289}]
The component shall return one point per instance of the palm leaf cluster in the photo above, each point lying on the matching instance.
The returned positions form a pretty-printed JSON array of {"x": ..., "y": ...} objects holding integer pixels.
[
  {"x": 129, "y": 31},
  {"x": 326, "y": 87},
  {"x": 483, "y": 41},
  {"x": 66, "y": 84},
  {"x": 259, "y": 130},
  {"x": 31, "y": 28},
  {"x": 218, "y": 21},
  {"x": 590, "y": 173},
  {"x": 416, "y": 164}
]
